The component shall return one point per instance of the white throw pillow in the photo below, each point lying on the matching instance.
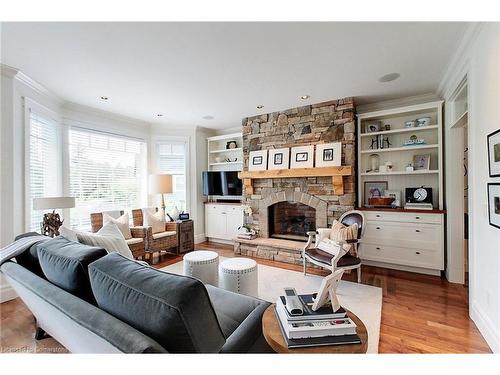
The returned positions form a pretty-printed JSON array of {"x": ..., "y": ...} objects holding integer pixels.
[
  {"x": 329, "y": 246},
  {"x": 122, "y": 223},
  {"x": 109, "y": 237},
  {"x": 156, "y": 221},
  {"x": 69, "y": 233}
]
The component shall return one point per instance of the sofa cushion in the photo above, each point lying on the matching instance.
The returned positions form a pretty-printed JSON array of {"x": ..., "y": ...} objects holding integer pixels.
[
  {"x": 65, "y": 264},
  {"x": 29, "y": 258},
  {"x": 174, "y": 310}
]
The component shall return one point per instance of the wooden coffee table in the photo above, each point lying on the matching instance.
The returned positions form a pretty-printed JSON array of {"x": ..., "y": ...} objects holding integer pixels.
[{"x": 273, "y": 336}]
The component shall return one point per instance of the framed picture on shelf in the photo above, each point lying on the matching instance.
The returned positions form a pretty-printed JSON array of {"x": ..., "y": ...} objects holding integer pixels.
[
  {"x": 374, "y": 189},
  {"x": 257, "y": 160},
  {"x": 396, "y": 194},
  {"x": 279, "y": 158},
  {"x": 494, "y": 203},
  {"x": 329, "y": 154},
  {"x": 372, "y": 127},
  {"x": 302, "y": 157},
  {"x": 494, "y": 153},
  {"x": 421, "y": 162}
]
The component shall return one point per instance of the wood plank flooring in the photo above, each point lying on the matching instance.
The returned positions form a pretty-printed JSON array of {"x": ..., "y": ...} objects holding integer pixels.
[{"x": 420, "y": 313}]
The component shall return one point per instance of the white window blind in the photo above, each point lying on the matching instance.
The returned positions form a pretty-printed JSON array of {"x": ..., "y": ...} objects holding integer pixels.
[
  {"x": 44, "y": 164},
  {"x": 171, "y": 159},
  {"x": 107, "y": 172}
]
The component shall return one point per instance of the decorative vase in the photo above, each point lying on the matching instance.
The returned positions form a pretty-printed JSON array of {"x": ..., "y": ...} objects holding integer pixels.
[{"x": 374, "y": 162}]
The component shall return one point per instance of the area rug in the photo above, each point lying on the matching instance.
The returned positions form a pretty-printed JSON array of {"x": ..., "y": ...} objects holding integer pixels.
[{"x": 363, "y": 300}]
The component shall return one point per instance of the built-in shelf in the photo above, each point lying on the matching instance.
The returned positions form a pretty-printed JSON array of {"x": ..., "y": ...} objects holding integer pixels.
[
  {"x": 227, "y": 163},
  {"x": 336, "y": 173},
  {"x": 393, "y": 149},
  {"x": 225, "y": 150},
  {"x": 403, "y": 130},
  {"x": 461, "y": 120},
  {"x": 428, "y": 171}
]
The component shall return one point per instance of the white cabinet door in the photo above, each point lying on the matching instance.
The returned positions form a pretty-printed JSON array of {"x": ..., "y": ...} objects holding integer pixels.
[
  {"x": 234, "y": 221},
  {"x": 216, "y": 225}
]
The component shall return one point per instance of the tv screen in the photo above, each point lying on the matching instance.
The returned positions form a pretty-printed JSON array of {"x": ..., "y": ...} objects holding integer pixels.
[{"x": 221, "y": 183}]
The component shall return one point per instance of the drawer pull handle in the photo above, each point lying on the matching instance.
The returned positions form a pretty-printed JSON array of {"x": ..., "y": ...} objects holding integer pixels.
[
  {"x": 417, "y": 252},
  {"x": 417, "y": 230},
  {"x": 377, "y": 215},
  {"x": 378, "y": 227},
  {"x": 417, "y": 217},
  {"x": 378, "y": 248}
]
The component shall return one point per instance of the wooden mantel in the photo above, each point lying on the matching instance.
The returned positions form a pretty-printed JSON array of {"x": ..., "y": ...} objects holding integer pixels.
[{"x": 337, "y": 174}]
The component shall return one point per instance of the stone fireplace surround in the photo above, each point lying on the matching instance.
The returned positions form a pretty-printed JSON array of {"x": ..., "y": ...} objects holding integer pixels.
[{"x": 325, "y": 122}]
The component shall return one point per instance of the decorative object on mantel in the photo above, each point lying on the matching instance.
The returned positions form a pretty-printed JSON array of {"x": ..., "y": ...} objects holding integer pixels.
[
  {"x": 329, "y": 154},
  {"x": 494, "y": 203},
  {"x": 336, "y": 173},
  {"x": 421, "y": 162},
  {"x": 374, "y": 189},
  {"x": 231, "y": 144},
  {"x": 279, "y": 158},
  {"x": 494, "y": 153},
  {"x": 257, "y": 160},
  {"x": 51, "y": 220},
  {"x": 302, "y": 157}
]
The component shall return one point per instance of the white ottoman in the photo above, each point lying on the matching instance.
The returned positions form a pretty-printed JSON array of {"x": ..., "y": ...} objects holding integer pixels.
[
  {"x": 203, "y": 265},
  {"x": 239, "y": 275}
]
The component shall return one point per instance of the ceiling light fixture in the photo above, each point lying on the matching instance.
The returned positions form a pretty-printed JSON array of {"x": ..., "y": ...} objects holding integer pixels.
[
  {"x": 159, "y": 115},
  {"x": 208, "y": 117},
  {"x": 260, "y": 106},
  {"x": 389, "y": 77},
  {"x": 305, "y": 97},
  {"x": 104, "y": 98}
]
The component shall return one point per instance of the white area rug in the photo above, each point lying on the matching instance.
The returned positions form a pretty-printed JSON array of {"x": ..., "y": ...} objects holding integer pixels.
[{"x": 363, "y": 300}]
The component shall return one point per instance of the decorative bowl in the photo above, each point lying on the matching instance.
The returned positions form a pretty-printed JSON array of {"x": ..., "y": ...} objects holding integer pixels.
[{"x": 423, "y": 121}]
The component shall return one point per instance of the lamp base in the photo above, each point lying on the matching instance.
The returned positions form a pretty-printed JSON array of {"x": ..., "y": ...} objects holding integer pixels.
[{"x": 51, "y": 224}]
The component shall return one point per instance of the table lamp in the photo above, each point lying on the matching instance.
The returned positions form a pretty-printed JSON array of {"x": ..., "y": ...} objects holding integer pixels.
[
  {"x": 161, "y": 184},
  {"x": 51, "y": 220}
]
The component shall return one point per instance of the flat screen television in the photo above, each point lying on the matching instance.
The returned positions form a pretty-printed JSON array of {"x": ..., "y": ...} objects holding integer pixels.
[{"x": 221, "y": 183}]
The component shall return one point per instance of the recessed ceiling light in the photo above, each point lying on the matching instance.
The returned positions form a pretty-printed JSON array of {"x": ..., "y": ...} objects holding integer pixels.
[
  {"x": 389, "y": 77},
  {"x": 304, "y": 97},
  {"x": 104, "y": 98},
  {"x": 159, "y": 115},
  {"x": 260, "y": 106},
  {"x": 208, "y": 117}
]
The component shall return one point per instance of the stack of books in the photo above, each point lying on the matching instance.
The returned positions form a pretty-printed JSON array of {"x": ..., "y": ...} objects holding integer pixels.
[{"x": 315, "y": 328}]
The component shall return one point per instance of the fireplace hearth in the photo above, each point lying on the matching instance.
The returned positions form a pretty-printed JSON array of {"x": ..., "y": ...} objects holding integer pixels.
[{"x": 291, "y": 220}]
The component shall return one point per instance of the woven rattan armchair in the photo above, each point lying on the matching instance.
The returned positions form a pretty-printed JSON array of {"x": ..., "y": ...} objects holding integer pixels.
[
  {"x": 137, "y": 244},
  {"x": 158, "y": 242}
]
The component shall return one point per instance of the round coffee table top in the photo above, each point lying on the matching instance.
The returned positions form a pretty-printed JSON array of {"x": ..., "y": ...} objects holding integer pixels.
[
  {"x": 201, "y": 256},
  {"x": 238, "y": 264},
  {"x": 273, "y": 336}
]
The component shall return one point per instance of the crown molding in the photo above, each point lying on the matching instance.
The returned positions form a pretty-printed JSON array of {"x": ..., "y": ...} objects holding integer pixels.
[
  {"x": 458, "y": 62},
  {"x": 8, "y": 71},
  {"x": 399, "y": 102}
]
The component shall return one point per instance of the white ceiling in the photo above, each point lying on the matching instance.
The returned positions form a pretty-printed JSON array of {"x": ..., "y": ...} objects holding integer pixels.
[{"x": 189, "y": 70}]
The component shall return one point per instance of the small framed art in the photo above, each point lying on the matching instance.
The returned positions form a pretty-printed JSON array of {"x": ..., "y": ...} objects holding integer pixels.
[
  {"x": 329, "y": 154},
  {"x": 257, "y": 160},
  {"x": 421, "y": 162},
  {"x": 494, "y": 153},
  {"x": 494, "y": 203},
  {"x": 279, "y": 158},
  {"x": 302, "y": 157},
  {"x": 374, "y": 189}
]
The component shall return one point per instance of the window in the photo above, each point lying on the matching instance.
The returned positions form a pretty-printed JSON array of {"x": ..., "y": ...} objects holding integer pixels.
[
  {"x": 107, "y": 172},
  {"x": 171, "y": 159},
  {"x": 43, "y": 173}
]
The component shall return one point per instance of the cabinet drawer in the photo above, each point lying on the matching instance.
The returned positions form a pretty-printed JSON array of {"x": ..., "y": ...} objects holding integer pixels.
[
  {"x": 403, "y": 256},
  {"x": 408, "y": 235},
  {"x": 223, "y": 208},
  {"x": 407, "y": 217}
]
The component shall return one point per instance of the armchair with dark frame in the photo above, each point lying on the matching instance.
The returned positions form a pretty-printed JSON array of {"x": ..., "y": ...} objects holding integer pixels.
[{"x": 311, "y": 253}]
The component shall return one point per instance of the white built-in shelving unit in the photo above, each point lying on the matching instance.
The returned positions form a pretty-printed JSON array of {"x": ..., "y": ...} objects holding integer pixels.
[
  {"x": 222, "y": 158},
  {"x": 401, "y": 155}
]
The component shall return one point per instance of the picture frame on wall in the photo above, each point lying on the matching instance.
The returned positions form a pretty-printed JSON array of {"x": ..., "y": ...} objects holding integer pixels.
[
  {"x": 374, "y": 189},
  {"x": 302, "y": 157},
  {"x": 494, "y": 153},
  {"x": 329, "y": 154},
  {"x": 257, "y": 160},
  {"x": 279, "y": 158},
  {"x": 494, "y": 204}
]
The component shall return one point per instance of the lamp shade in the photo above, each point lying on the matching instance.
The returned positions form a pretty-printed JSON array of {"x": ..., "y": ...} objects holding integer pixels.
[
  {"x": 51, "y": 203},
  {"x": 160, "y": 184}
]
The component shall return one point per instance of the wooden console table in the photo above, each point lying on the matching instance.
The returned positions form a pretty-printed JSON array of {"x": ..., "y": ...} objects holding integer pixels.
[{"x": 185, "y": 236}]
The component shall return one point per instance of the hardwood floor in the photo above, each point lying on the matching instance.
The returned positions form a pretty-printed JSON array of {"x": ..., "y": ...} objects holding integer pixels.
[{"x": 420, "y": 313}]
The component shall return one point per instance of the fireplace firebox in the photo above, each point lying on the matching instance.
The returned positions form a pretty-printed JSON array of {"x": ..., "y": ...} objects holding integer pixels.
[{"x": 291, "y": 220}]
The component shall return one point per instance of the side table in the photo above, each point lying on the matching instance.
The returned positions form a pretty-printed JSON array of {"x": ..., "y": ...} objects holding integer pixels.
[{"x": 185, "y": 236}]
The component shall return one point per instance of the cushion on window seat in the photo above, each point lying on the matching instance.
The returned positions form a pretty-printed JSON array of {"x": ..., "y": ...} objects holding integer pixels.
[
  {"x": 163, "y": 234},
  {"x": 133, "y": 241}
]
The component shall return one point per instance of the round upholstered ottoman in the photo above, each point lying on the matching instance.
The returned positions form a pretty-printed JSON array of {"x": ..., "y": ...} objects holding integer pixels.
[
  {"x": 239, "y": 275},
  {"x": 203, "y": 265}
]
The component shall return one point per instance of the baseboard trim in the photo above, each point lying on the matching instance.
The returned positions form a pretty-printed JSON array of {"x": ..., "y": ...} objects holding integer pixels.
[
  {"x": 199, "y": 238},
  {"x": 220, "y": 240},
  {"x": 7, "y": 293},
  {"x": 425, "y": 271},
  {"x": 485, "y": 326}
]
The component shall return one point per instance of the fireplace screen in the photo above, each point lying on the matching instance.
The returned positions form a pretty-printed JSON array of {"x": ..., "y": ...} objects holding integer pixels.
[{"x": 291, "y": 221}]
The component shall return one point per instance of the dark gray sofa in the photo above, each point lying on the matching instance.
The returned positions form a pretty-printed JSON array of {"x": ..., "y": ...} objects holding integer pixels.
[{"x": 135, "y": 308}]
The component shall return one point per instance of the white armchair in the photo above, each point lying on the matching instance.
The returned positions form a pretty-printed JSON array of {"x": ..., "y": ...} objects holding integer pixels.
[{"x": 341, "y": 259}]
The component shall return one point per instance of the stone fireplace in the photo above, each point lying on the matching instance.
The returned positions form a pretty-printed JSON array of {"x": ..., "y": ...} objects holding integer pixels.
[{"x": 285, "y": 208}]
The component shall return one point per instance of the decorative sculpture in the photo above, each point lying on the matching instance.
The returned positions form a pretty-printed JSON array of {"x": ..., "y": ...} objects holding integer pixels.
[{"x": 51, "y": 223}]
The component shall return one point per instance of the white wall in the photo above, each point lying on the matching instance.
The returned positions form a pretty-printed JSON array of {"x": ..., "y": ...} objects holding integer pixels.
[{"x": 479, "y": 60}]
